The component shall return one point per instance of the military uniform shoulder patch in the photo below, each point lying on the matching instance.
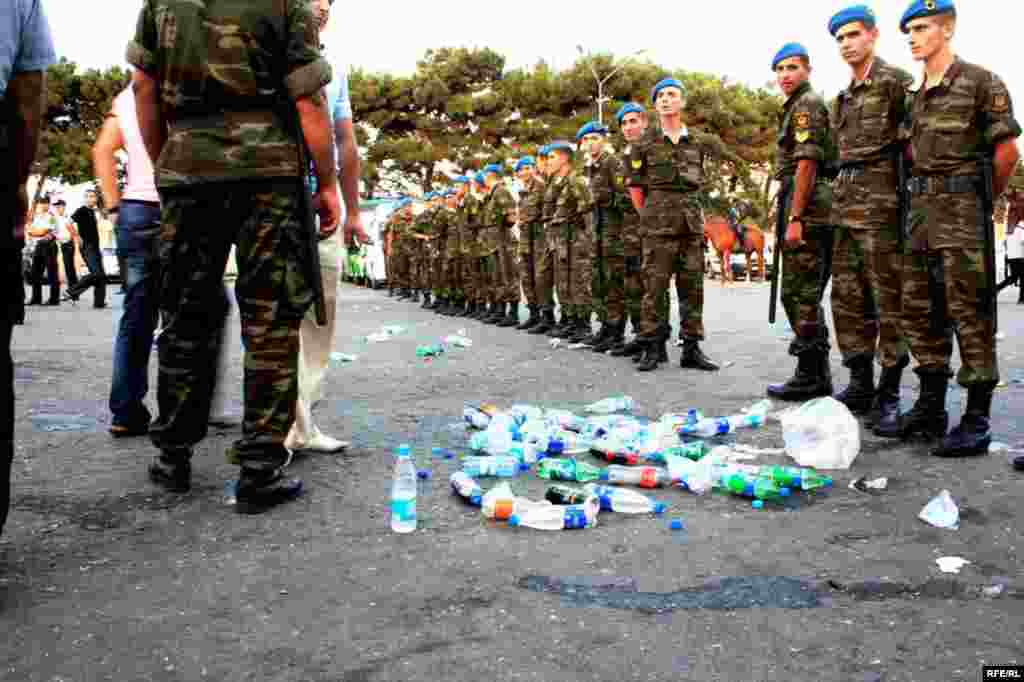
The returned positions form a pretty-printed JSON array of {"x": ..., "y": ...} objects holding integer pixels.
[
  {"x": 637, "y": 164},
  {"x": 802, "y": 120},
  {"x": 802, "y": 136},
  {"x": 1000, "y": 103}
]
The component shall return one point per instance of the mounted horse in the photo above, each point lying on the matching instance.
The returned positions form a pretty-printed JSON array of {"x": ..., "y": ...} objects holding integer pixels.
[{"x": 724, "y": 237}]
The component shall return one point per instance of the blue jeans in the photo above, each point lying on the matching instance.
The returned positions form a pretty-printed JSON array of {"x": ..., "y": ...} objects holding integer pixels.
[{"x": 138, "y": 230}]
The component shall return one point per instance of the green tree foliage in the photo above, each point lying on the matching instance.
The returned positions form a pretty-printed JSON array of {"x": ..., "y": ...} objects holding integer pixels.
[{"x": 76, "y": 105}]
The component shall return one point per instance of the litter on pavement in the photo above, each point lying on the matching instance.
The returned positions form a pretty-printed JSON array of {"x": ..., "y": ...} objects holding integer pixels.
[{"x": 941, "y": 512}]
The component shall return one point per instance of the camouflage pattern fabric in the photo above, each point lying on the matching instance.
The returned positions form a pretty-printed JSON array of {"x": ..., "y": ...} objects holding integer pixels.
[
  {"x": 261, "y": 219},
  {"x": 804, "y": 134},
  {"x": 664, "y": 258},
  {"x": 945, "y": 289},
  {"x": 421, "y": 261},
  {"x": 451, "y": 278},
  {"x": 546, "y": 264},
  {"x": 439, "y": 250},
  {"x": 572, "y": 264},
  {"x": 805, "y": 274},
  {"x": 495, "y": 239},
  {"x": 532, "y": 245},
  {"x": 867, "y": 262},
  {"x": 221, "y": 94},
  {"x": 607, "y": 180}
]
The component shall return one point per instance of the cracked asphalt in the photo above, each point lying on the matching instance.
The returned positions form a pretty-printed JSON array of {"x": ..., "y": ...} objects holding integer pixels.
[{"x": 104, "y": 577}]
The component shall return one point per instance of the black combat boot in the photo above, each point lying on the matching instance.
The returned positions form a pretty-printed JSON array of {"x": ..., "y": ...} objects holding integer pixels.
[
  {"x": 532, "y": 321},
  {"x": 972, "y": 436},
  {"x": 415, "y": 296},
  {"x": 391, "y": 292},
  {"x": 613, "y": 333},
  {"x": 403, "y": 294},
  {"x": 597, "y": 337},
  {"x": 693, "y": 357},
  {"x": 259, "y": 490},
  {"x": 655, "y": 353},
  {"x": 495, "y": 313},
  {"x": 633, "y": 349},
  {"x": 546, "y": 324},
  {"x": 812, "y": 378},
  {"x": 511, "y": 318},
  {"x": 886, "y": 411},
  {"x": 172, "y": 471},
  {"x": 859, "y": 395},
  {"x": 481, "y": 311},
  {"x": 426, "y": 300},
  {"x": 581, "y": 332},
  {"x": 469, "y": 310},
  {"x": 567, "y": 328},
  {"x": 928, "y": 417}
]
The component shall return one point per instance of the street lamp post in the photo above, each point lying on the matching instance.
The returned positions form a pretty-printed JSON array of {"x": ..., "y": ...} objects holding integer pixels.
[{"x": 601, "y": 99}]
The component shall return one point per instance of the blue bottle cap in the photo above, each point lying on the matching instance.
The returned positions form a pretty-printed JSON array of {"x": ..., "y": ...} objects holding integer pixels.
[
  {"x": 475, "y": 499},
  {"x": 676, "y": 524},
  {"x": 448, "y": 454},
  {"x": 523, "y": 466},
  {"x": 513, "y": 520},
  {"x": 423, "y": 474},
  {"x": 403, "y": 450},
  {"x": 757, "y": 504},
  {"x": 785, "y": 492},
  {"x": 660, "y": 507},
  {"x": 604, "y": 475},
  {"x": 435, "y": 451},
  {"x": 556, "y": 447}
]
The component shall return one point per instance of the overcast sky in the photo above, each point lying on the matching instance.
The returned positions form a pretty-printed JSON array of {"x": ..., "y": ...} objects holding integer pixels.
[{"x": 735, "y": 39}]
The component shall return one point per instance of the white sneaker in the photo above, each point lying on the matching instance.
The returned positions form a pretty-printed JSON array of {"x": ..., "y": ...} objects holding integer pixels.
[{"x": 319, "y": 443}]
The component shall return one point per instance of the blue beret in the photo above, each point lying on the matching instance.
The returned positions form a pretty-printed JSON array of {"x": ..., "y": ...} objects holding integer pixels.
[
  {"x": 789, "y": 50},
  {"x": 926, "y": 8},
  {"x": 629, "y": 108},
  {"x": 493, "y": 168},
  {"x": 448, "y": 192},
  {"x": 544, "y": 151},
  {"x": 591, "y": 128},
  {"x": 861, "y": 13},
  {"x": 524, "y": 162},
  {"x": 460, "y": 180},
  {"x": 479, "y": 178},
  {"x": 666, "y": 83},
  {"x": 561, "y": 145}
]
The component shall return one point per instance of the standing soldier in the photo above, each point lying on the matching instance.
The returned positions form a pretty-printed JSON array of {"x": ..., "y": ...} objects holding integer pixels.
[
  {"x": 449, "y": 257},
  {"x": 498, "y": 217},
  {"x": 607, "y": 180},
  {"x": 632, "y": 119},
  {"x": 401, "y": 248},
  {"x": 474, "y": 246},
  {"x": 531, "y": 208},
  {"x": 666, "y": 178},
  {"x": 868, "y": 257},
  {"x": 546, "y": 247},
  {"x": 467, "y": 302},
  {"x": 963, "y": 139},
  {"x": 422, "y": 233},
  {"x": 804, "y": 150},
  {"x": 569, "y": 222},
  {"x": 203, "y": 103},
  {"x": 385, "y": 236}
]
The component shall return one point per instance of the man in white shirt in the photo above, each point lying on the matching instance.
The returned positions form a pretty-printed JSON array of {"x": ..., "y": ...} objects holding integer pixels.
[
  {"x": 67, "y": 237},
  {"x": 1015, "y": 259},
  {"x": 42, "y": 239}
]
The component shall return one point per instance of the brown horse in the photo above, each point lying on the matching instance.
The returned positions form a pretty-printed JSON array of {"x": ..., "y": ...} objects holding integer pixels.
[{"x": 723, "y": 239}]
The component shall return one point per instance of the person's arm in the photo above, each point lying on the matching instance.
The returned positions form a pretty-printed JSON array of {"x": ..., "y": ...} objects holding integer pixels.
[
  {"x": 1004, "y": 163},
  {"x": 104, "y": 161},
  {"x": 803, "y": 191},
  {"x": 316, "y": 130},
  {"x": 348, "y": 152},
  {"x": 149, "y": 112},
  {"x": 25, "y": 98}
]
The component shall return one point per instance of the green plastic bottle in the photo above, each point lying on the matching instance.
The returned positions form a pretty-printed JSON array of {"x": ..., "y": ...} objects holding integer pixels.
[
  {"x": 756, "y": 488},
  {"x": 563, "y": 494},
  {"x": 796, "y": 478},
  {"x": 554, "y": 469}
]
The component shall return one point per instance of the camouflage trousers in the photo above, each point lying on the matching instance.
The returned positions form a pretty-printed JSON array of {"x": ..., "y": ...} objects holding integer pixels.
[
  {"x": 529, "y": 246},
  {"x": 613, "y": 282},
  {"x": 945, "y": 293},
  {"x": 449, "y": 280},
  {"x": 262, "y": 220},
  {"x": 805, "y": 274},
  {"x": 584, "y": 247},
  {"x": 633, "y": 283},
  {"x": 470, "y": 276},
  {"x": 663, "y": 257},
  {"x": 421, "y": 267},
  {"x": 399, "y": 272},
  {"x": 544, "y": 267},
  {"x": 866, "y": 275},
  {"x": 498, "y": 281}
]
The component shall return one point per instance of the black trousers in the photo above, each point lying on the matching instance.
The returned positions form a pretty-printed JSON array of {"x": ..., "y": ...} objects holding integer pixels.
[
  {"x": 1015, "y": 276},
  {"x": 45, "y": 259},
  {"x": 11, "y": 313},
  {"x": 67, "y": 250}
]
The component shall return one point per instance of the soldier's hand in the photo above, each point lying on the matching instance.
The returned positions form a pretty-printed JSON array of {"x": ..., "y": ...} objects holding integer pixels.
[
  {"x": 795, "y": 235},
  {"x": 329, "y": 208},
  {"x": 353, "y": 231}
]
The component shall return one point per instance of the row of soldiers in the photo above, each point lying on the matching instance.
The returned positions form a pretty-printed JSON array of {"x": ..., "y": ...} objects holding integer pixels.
[
  {"x": 574, "y": 231},
  {"x": 889, "y": 193}
]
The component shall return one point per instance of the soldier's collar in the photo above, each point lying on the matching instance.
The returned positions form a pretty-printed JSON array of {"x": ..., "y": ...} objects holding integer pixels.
[
  {"x": 800, "y": 90},
  {"x": 951, "y": 74},
  {"x": 872, "y": 73}
]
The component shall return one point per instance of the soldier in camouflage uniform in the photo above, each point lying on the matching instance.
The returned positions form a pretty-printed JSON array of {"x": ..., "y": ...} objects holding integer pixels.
[
  {"x": 449, "y": 273},
  {"x": 472, "y": 247},
  {"x": 385, "y": 237},
  {"x": 498, "y": 216},
  {"x": 205, "y": 104},
  {"x": 606, "y": 175},
  {"x": 961, "y": 114},
  {"x": 868, "y": 260},
  {"x": 401, "y": 249},
  {"x": 804, "y": 152},
  {"x": 547, "y": 247},
  {"x": 467, "y": 303},
  {"x": 666, "y": 178},
  {"x": 569, "y": 227},
  {"x": 632, "y": 119},
  {"x": 420, "y": 259},
  {"x": 531, "y": 246}
]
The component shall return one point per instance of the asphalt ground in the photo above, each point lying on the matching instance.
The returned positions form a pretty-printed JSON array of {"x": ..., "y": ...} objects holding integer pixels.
[{"x": 105, "y": 577}]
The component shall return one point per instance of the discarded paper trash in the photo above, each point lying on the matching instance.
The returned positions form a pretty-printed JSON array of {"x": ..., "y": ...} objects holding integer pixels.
[
  {"x": 863, "y": 485},
  {"x": 951, "y": 564}
]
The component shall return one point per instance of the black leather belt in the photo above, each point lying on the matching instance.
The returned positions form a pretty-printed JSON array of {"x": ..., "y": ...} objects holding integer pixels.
[{"x": 943, "y": 184}]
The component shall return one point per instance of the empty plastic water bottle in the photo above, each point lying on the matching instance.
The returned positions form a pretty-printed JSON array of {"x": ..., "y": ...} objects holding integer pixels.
[
  {"x": 568, "y": 443},
  {"x": 573, "y": 517},
  {"x": 566, "y": 420},
  {"x": 695, "y": 477},
  {"x": 615, "y": 455},
  {"x": 430, "y": 351},
  {"x": 500, "y": 503},
  {"x": 458, "y": 341},
  {"x": 644, "y": 477},
  {"x": 611, "y": 405},
  {"x": 493, "y": 441},
  {"x": 554, "y": 469},
  {"x": 403, "y": 492},
  {"x": 694, "y": 451},
  {"x": 623, "y": 500},
  {"x": 466, "y": 487},
  {"x": 499, "y": 466},
  {"x": 476, "y": 418},
  {"x": 563, "y": 495},
  {"x": 752, "y": 418}
]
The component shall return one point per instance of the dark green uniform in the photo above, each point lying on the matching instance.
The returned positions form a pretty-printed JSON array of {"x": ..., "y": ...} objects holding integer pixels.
[
  {"x": 607, "y": 176},
  {"x": 572, "y": 240},
  {"x": 228, "y": 174},
  {"x": 547, "y": 265},
  {"x": 531, "y": 237}
]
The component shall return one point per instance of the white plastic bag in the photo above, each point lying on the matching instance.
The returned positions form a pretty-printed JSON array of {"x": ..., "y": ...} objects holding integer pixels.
[
  {"x": 822, "y": 434},
  {"x": 941, "y": 512}
]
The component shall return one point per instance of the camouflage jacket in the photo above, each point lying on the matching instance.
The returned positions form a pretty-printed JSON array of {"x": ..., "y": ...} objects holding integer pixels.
[
  {"x": 227, "y": 72},
  {"x": 572, "y": 207},
  {"x": 606, "y": 178},
  {"x": 804, "y": 134},
  {"x": 469, "y": 225},
  {"x": 866, "y": 118},
  {"x": 658, "y": 164},
  {"x": 531, "y": 214},
  {"x": 551, "y": 191},
  {"x": 448, "y": 223},
  {"x": 496, "y": 219}
]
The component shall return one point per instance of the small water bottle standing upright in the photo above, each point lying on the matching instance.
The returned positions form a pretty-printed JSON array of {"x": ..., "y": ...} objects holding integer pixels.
[{"x": 403, "y": 493}]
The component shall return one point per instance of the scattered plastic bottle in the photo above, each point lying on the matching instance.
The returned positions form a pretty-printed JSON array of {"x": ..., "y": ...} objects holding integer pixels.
[
  {"x": 475, "y": 417},
  {"x": 617, "y": 456},
  {"x": 500, "y": 503},
  {"x": 466, "y": 487},
  {"x": 623, "y": 500},
  {"x": 564, "y": 495},
  {"x": 694, "y": 451},
  {"x": 572, "y": 517},
  {"x": 644, "y": 477},
  {"x": 694, "y": 477},
  {"x": 611, "y": 405},
  {"x": 429, "y": 351},
  {"x": 498, "y": 466},
  {"x": 555, "y": 469},
  {"x": 339, "y": 359},
  {"x": 566, "y": 420},
  {"x": 751, "y": 418},
  {"x": 565, "y": 442},
  {"x": 403, "y": 493},
  {"x": 493, "y": 441},
  {"x": 458, "y": 341},
  {"x": 795, "y": 478},
  {"x": 754, "y": 488}
]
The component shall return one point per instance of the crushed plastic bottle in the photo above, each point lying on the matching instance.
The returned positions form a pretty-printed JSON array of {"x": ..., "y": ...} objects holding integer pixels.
[
  {"x": 753, "y": 488},
  {"x": 644, "y": 477},
  {"x": 611, "y": 405},
  {"x": 695, "y": 477},
  {"x": 566, "y": 420},
  {"x": 694, "y": 451},
  {"x": 563, "y": 495},
  {"x": 572, "y": 517},
  {"x": 500, "y": 503},
  {"x": 555, "y": 469},
  {"x": 458, "y": 341},
  {"x": 430, "y": 351},
  {"x": 564, "y": 442},
  {"x": 494, "y": 466},
  {"x": 752, "y": 418},
  {"x": 466, "y": 487},
  {"x": 339, "y": 359},
  {"x": 623, "y": 500}
]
